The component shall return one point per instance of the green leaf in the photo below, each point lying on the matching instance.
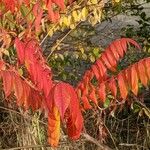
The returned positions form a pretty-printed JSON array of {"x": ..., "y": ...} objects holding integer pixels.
[
  {"x": 96, "y": 52},
  {"x": 106, "y": 104}
]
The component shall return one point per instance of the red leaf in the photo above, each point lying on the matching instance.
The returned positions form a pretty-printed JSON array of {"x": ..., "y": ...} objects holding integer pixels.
[
  {"x": 9, "y": 5},
  {"x": 18, "y": 89},
  {"x": 20, "y": 50},
  {"x": 53, "y": 16},
  {"x": 75, "y": 119},
  {"x": 7, "y": 82},
  {"x": 112, "y": 86},
  {"x": 133, "y": 43},
  {"x": 86, "y": 103},
  {"x": 2, "y": 65},
  {"x": 27, "y": 2},
  {"x": 62, "y": 97},
  {"x": 47, "y": 85},
  {"x": 102, "y": 92},
  {"x": 102, "y": 70},
  {"x": 38, "y": 12},
  {"x": 142, "y": 73},
  {"x": 39, "y": 72},
  {"x": 74, "y": 128},
  {"x": 26, "y": 96},
  {"x": 60, "y": 3},
  {"x": 95, "y": 71},
  {"x": 122, "y": 85},
  {"x": 92, "y": 95},
  {"x": 35, "y": 100}
]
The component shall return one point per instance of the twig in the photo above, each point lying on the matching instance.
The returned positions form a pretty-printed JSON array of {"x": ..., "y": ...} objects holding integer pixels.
[
  {"x": 60, "y": 41},
  {"x": 111, "y": 137},
  {"x": 48, "y": 34},
  {"x": 131, "y": 145},
  {"x": 56, "y": 25}
]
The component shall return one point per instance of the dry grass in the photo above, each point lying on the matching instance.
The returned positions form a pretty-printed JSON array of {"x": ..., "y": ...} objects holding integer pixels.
[{"x": 26, "y": 130}]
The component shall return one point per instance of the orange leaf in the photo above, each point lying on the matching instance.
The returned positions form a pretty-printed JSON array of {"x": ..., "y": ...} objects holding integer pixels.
[
  {"x": 113, "y": 48},
  {"x": 85, "y": 90},
  {"x": 53, "y": 16},
  {"x": 147, "y": 65},
  {"x": 111, "y": 60},
  {"x": 134, "y": 79},
  {"x": 119, "y": 47},
  {"x": 86, "y": 103},
  {"x": 95, "y": 71},
  {"x": 101, "y": 92},
  {"x": 102, "y": 70},
  {"x": 92, "y": 95},
  {"x": 105, "y": 60},
  {"x": 54, "y": 127},
  {"x": 142, "y": 73},
  {"x": 112, "y": 86},
  {"x": 123, "y": 43},
  {"x": 122, "y": 85}
]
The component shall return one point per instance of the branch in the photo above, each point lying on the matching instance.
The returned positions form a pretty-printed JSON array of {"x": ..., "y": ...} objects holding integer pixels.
[{"x": 93, "y": 140}]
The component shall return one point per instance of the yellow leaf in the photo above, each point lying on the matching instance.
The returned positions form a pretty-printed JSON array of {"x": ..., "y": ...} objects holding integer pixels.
[
  {"x": 20, "y": 71},
  {"x": 94, "y": 1},
  {"x": 75, "y": 15},
  {"x": 82, "y": 50},
  {"x": 84, "y": 13},
  {"x": 6, "y": 52},
  {"x": 116, "y": 1},
  {"x": 65, "y": 21},
  {"x": 147, "y": 112},
  {"x": 93, "y": 20},
  {"x": 72, "y": 26},
  {"x": 50, "y": 33}
]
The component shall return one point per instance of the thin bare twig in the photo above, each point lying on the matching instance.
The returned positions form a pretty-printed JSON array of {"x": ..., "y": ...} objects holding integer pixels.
[
  {"x": 132, "y": 145},
  {"x": 27, "y": 147}
]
